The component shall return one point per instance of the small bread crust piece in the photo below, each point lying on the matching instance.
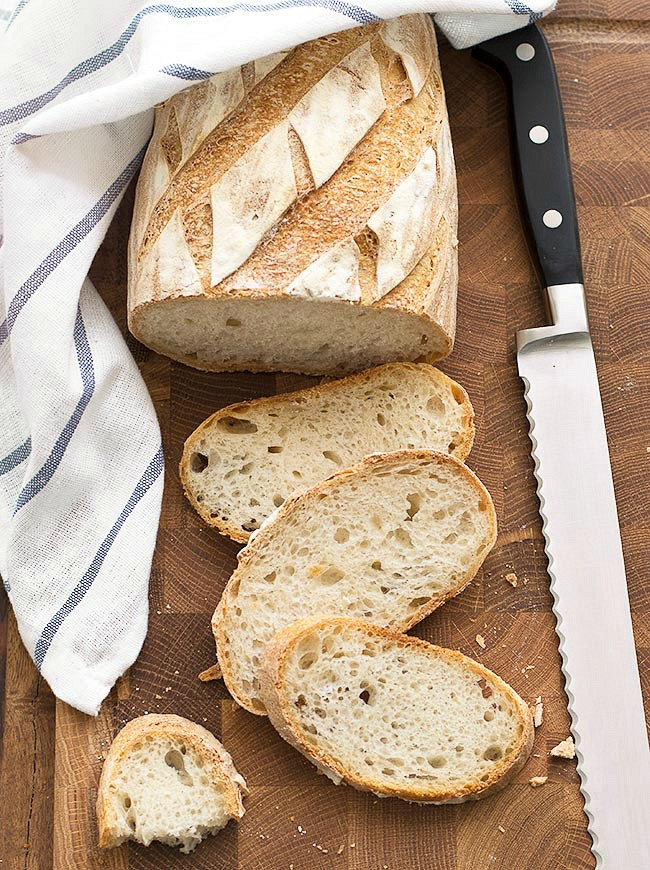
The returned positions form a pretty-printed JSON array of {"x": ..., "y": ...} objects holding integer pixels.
[{"x": 218, "y": 765}]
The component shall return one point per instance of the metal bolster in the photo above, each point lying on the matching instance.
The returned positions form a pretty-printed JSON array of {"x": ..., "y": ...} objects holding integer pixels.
[{"x": 568, "y": 308}]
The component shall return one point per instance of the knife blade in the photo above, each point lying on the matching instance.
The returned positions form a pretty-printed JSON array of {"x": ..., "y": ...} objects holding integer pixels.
[{"x": 574, "y": 480}]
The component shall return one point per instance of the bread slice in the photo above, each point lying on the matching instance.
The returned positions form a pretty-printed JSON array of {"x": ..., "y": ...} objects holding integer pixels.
[
  {"x": 243, "y": 461},
  {"x": 387, "y": 540},
  {"x": 167, "y": 779},
  {"x": 392, "y": 714}
]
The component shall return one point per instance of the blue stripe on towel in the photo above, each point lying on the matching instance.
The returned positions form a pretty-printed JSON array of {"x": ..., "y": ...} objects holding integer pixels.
[
  {"x": 519, "y": 8},
  {"x": 180, "y": 71},
  {"x": 87, "y": 372},
  {"x": 76, "y": 235},
  {"x": 19, "y": 8},
  {"x": 16, "y": 457},
  {"x": 148, "y": 478},
  {"x": 19, "y": 138},
  {"x": 107, "y": 55}
]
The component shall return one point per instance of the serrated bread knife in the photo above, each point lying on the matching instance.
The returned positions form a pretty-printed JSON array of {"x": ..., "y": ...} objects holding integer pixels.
[{"x": 574, "y": 478}]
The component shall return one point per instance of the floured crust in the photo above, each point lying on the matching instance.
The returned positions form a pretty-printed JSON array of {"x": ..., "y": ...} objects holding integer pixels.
[
  {"x": 260, "y": 538},
  {"x": 280, "y": 712},
  {"x": 320, "y": 225},
  {"x": 218, "y": 764},
  {"x": 461, "y": 451}
]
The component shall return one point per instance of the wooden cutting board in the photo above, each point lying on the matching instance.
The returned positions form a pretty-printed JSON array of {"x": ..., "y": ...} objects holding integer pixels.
[{"x": 52, "y": 755}]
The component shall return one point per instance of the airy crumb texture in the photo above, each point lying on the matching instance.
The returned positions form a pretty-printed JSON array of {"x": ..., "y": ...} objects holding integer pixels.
[
  {"x": 536, "y": 781},
  {"x": 244, "y": 461},
  {"x": 564, "y": 749},
  {"x": 336, "y": 338},
  {"x": 387, "y": 540},
  {"x": 167, "y": 779},
  {"x": 392, "y": 714}
]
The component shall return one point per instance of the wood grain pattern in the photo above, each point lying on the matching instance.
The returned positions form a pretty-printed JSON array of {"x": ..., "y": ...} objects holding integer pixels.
[{"x": 295, "y": 818}]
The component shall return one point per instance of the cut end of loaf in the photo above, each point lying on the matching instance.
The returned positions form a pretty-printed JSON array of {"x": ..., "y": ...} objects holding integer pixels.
[
  {"x": 280, "y": 334},
  {"x": 392, "y": 714}
]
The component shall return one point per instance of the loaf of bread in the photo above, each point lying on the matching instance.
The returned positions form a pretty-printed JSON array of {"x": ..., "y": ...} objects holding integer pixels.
[
  {"x": 387, "y": 540},
  {"x": 299, "y": 213},
  {"x": 167, "y": 779},
  {"x": 392, "y": 714},
  {"x": 243, "y": 461}
]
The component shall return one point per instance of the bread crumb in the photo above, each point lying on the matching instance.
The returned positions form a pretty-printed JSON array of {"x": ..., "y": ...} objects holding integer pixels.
[
  {"x": 538, "y": 713},
  {"x": 176, "y": 672},
  {"x": 158, "y": 697},
  {"x": 480, "y": 640},
  {"x": 340, "y": 849},
  {"x": 564, "y": 749},
  {"x": 211, "y": 673},
  {"x": 528, "y": 668},
  {"x": 502, "y": 829},
  {"x": 536, "y": 781},
  {"x": 512, "y": 579}
]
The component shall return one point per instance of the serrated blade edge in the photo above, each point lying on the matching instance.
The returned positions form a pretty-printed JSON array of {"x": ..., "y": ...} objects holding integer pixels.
[{"x": 579, "y": 521}]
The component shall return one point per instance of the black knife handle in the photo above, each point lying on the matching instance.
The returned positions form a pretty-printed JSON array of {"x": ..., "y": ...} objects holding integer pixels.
[{"x": 524, "y": 60}]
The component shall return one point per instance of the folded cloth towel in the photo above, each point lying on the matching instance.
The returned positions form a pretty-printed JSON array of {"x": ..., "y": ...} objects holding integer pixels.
[{"x": 81, "y": 466}]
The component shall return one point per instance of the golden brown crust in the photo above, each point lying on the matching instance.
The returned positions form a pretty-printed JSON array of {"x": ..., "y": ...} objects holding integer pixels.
[
  {"x": 281, "y": 715},
  {"x": 322, "y": 217},
  {"x": 262, "y": 536},
  {"x": 461, "y": 451},
  {"x": 218, "y": 764}
]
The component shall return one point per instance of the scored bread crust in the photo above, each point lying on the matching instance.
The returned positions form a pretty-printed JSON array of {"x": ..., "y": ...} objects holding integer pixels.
[
  {"x": 288, "y": 508},
  {"x": 219, "y": 765},
  {"x": 461, "y": 450},
  {"x": 280, "y": 713},
  {"x": 180, "y": 171}
]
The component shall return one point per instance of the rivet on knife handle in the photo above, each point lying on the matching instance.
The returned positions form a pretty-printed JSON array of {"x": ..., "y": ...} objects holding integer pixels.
[{"x": 523, "y": 59}]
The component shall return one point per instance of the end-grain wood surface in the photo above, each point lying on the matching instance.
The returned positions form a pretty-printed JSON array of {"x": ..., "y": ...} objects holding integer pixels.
[{"x": 52, "y": 755}]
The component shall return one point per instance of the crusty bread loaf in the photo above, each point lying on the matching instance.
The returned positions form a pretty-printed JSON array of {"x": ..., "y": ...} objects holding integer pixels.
[
  {"x": 387, "y": 540},
  {"x": 243, "y": 462},
  {"x": 166, "y": 778},
  {"x": 299, "y": 213},
  {"x": 392, "y": 714}
]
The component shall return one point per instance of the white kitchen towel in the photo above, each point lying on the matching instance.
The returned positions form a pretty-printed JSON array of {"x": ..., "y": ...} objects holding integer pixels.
[{"x": 81, "y": 466}]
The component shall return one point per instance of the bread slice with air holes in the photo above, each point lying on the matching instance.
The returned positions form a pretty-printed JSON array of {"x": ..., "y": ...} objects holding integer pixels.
[
  {"x": 167, "y": 779},
  {"x": 387, "y": 540},
  {"x": 392, "y": 714},
  {"x": 243, "y": 461}
]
